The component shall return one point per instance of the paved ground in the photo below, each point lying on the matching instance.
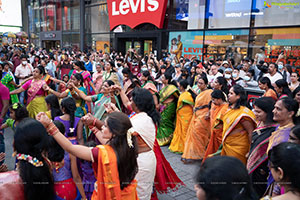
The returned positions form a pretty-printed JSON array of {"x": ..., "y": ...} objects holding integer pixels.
[{"x": 184, "y": 172}]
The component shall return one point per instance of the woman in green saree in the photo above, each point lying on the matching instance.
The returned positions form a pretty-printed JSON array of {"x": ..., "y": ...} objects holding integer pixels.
[
  {"x": 105, "y": 96},
  {"x": 168, "y": 97},
  {"x": 8, "y": 81}
]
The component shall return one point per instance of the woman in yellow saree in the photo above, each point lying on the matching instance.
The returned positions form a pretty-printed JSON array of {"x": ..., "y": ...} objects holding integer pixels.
[
  {"x": 168, "y": 98},
  {"x": 184, "y": 115},
  {"x": 36, "y": 95},
  {"x": 238, "y": 125},
  {"x": 218, "y": 107},
  {"x": 198, "y": 133}
]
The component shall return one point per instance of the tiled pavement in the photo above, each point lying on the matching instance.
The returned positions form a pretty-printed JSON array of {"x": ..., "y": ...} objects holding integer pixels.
[{"x": 184, "y": 172}]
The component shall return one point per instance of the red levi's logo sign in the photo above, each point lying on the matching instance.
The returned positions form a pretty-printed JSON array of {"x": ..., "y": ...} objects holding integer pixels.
[{"x": 135, "y": 12}]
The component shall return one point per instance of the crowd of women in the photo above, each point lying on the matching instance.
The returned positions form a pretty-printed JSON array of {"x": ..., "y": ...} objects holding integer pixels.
[{"x": 97, "y": 134}]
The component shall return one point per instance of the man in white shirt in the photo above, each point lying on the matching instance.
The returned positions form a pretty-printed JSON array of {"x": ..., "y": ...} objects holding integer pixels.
[
  {"x": 272, "y": 74},
  {"x": 214, "y": 73},
  {"x": 23, "y": 71}
]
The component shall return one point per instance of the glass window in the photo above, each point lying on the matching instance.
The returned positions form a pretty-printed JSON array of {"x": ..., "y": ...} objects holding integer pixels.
[
  {"x": 227, "y": 44},
  {"x": 54, "y": 15},
  {"x": 70, "y": 40},
  {"x": 196, "y": 10},
  {"x": 43, "y": 9},
  {"x": 97, "y": 19},
  {"x": 228, "y": 13},
  {"x": 267, "y": 44},
  {"x": 71, "y": 15},
  {"x": 98, "y": 42},
  {"x": 276, "y": 12},
  {"x": 186, "y": 44}
]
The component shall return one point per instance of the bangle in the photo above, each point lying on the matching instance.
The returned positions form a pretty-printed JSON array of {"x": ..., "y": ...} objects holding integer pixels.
[
  {"x": 94, "y": 122},
  {"x": 52, "y": 129}
]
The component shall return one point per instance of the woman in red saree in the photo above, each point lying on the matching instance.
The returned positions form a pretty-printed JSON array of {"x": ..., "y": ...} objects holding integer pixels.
[
  {"x": 36, "y": 95},
  {"x": 114, "y": 162}
]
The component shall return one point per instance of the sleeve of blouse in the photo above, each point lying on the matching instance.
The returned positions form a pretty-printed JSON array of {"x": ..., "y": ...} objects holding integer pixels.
[{"x": 26, "y": 85}]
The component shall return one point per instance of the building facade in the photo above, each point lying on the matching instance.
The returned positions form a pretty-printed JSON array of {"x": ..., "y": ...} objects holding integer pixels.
[{"x": 206, "y": 28}]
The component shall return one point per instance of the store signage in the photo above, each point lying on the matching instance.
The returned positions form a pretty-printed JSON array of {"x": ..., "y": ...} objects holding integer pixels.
[
  {"x": 135, "y": 12},
  {"x": 50, "y": 35}
]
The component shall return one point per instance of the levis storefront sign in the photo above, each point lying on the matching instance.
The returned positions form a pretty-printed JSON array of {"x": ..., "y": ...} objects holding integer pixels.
[{"x": 135, "y": 12}]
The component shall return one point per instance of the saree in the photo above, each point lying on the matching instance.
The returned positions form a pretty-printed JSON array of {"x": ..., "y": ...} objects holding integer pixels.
[
  {"x": 87, "y": 78},
  {"x": 145, "y": 129},
  {"x": 238, "y": 144},
  {"x": 198, "y": 133},
  {"x": 271, "y": 93},
  {"x": 257, "y": 164},
  {"x": 107, "y": 186},
  {"x": 6, "y": 81},
  {"x": 35, "y": 104},
  {"x": 80, "y": 103},
  {"x": 99, "y": 109},
  {"x": 215, "y": 140},
  {"x": 280, "y": 135},
  {"x": 184, "y": 115},
  {"x": 168, "y": 113}
]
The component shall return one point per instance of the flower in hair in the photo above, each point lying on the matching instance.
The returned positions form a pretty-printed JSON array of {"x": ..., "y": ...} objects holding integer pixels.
[
  {"x": 34, "y": 161},
  {"x": 129, "y": 139}
]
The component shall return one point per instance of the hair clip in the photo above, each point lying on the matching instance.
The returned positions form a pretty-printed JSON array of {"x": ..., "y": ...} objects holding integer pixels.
[{"x": 34, "y": 161}]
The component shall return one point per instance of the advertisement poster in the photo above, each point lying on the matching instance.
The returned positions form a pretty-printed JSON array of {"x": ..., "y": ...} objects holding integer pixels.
[
  {"x": 186, "y": 44},
  {"x": 102, "y": 45}
]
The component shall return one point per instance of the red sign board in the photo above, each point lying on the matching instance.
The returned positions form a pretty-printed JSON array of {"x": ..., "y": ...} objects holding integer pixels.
[{"x": 135, "y": 12}]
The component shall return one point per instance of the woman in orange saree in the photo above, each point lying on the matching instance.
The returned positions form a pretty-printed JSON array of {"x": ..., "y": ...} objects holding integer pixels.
[
  {"x": 238, "y": 125},
  {"x": 198, "y": 133},
  {"x": 184, "y": 115},
  {"x": 218, "y": 108},
  {"x": 114, "y": 180},
  {"x": 265, "y": 84}
]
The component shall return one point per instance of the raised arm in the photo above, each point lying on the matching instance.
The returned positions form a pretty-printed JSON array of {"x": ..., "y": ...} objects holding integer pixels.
[
  {"x": 82, "y": 95},
  {"x": 17, "y": 91},
  {"x": 79, "y": 151}
]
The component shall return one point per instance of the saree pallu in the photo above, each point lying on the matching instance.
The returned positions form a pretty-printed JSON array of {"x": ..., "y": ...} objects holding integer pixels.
[
  {"x": 168, "y": 114},
  {"x": 166, "y": 127},
  {"x": 149, "y": 85},
  {"x": 107, "y": 186},
  {"x": 6, "y": 81},
  {"x": 66, "y": 189},
  {"x": 238, "y": 144},
  {"x": 165, "y": 179},
  {"x": 280, "y": 135},
  {"x": 216, "y": 129},
  {"x": 271, "y": 93},
  {"x": 183, "y": 118},
  {"x": 198, "y": 133},
  {"x": 257, "y": 163},
  {"x": 38, "y": 104}
]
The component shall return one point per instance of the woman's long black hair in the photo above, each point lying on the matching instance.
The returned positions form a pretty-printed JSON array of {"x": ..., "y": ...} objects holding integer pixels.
[
  {"x": 118, "y": 123},
  {"x": 225, "y": 178},
  {"x": 286, "y": 156},
  {"x": 143, "y": 99},
  {"x": 80, "y": 64},
  {"x": 69, "y": 106},
  {"x": 52, "y": 100},
  {"x": 242, "y": 101},
  {"x": 148, "y": 75},
  {"x": 266, "y": 80},
  {"x": 31, "y": 138},
  {"x": 281, "y": 83},
  {"x": 55, "y": 152},
  {"x": 79, "y": 78},
  {"x": 223, "y": 82}
]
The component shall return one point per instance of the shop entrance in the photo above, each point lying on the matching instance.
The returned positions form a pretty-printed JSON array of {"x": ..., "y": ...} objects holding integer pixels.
[
  {"x": 144, "y": 44},
  {"x": 48, "y": 44}
]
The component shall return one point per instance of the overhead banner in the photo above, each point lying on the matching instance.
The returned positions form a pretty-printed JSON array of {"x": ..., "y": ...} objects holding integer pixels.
[{"x": 135, "y": 12}]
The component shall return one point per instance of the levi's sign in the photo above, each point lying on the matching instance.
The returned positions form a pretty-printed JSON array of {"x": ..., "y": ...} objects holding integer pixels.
[{"x": 135, "y": 12}]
